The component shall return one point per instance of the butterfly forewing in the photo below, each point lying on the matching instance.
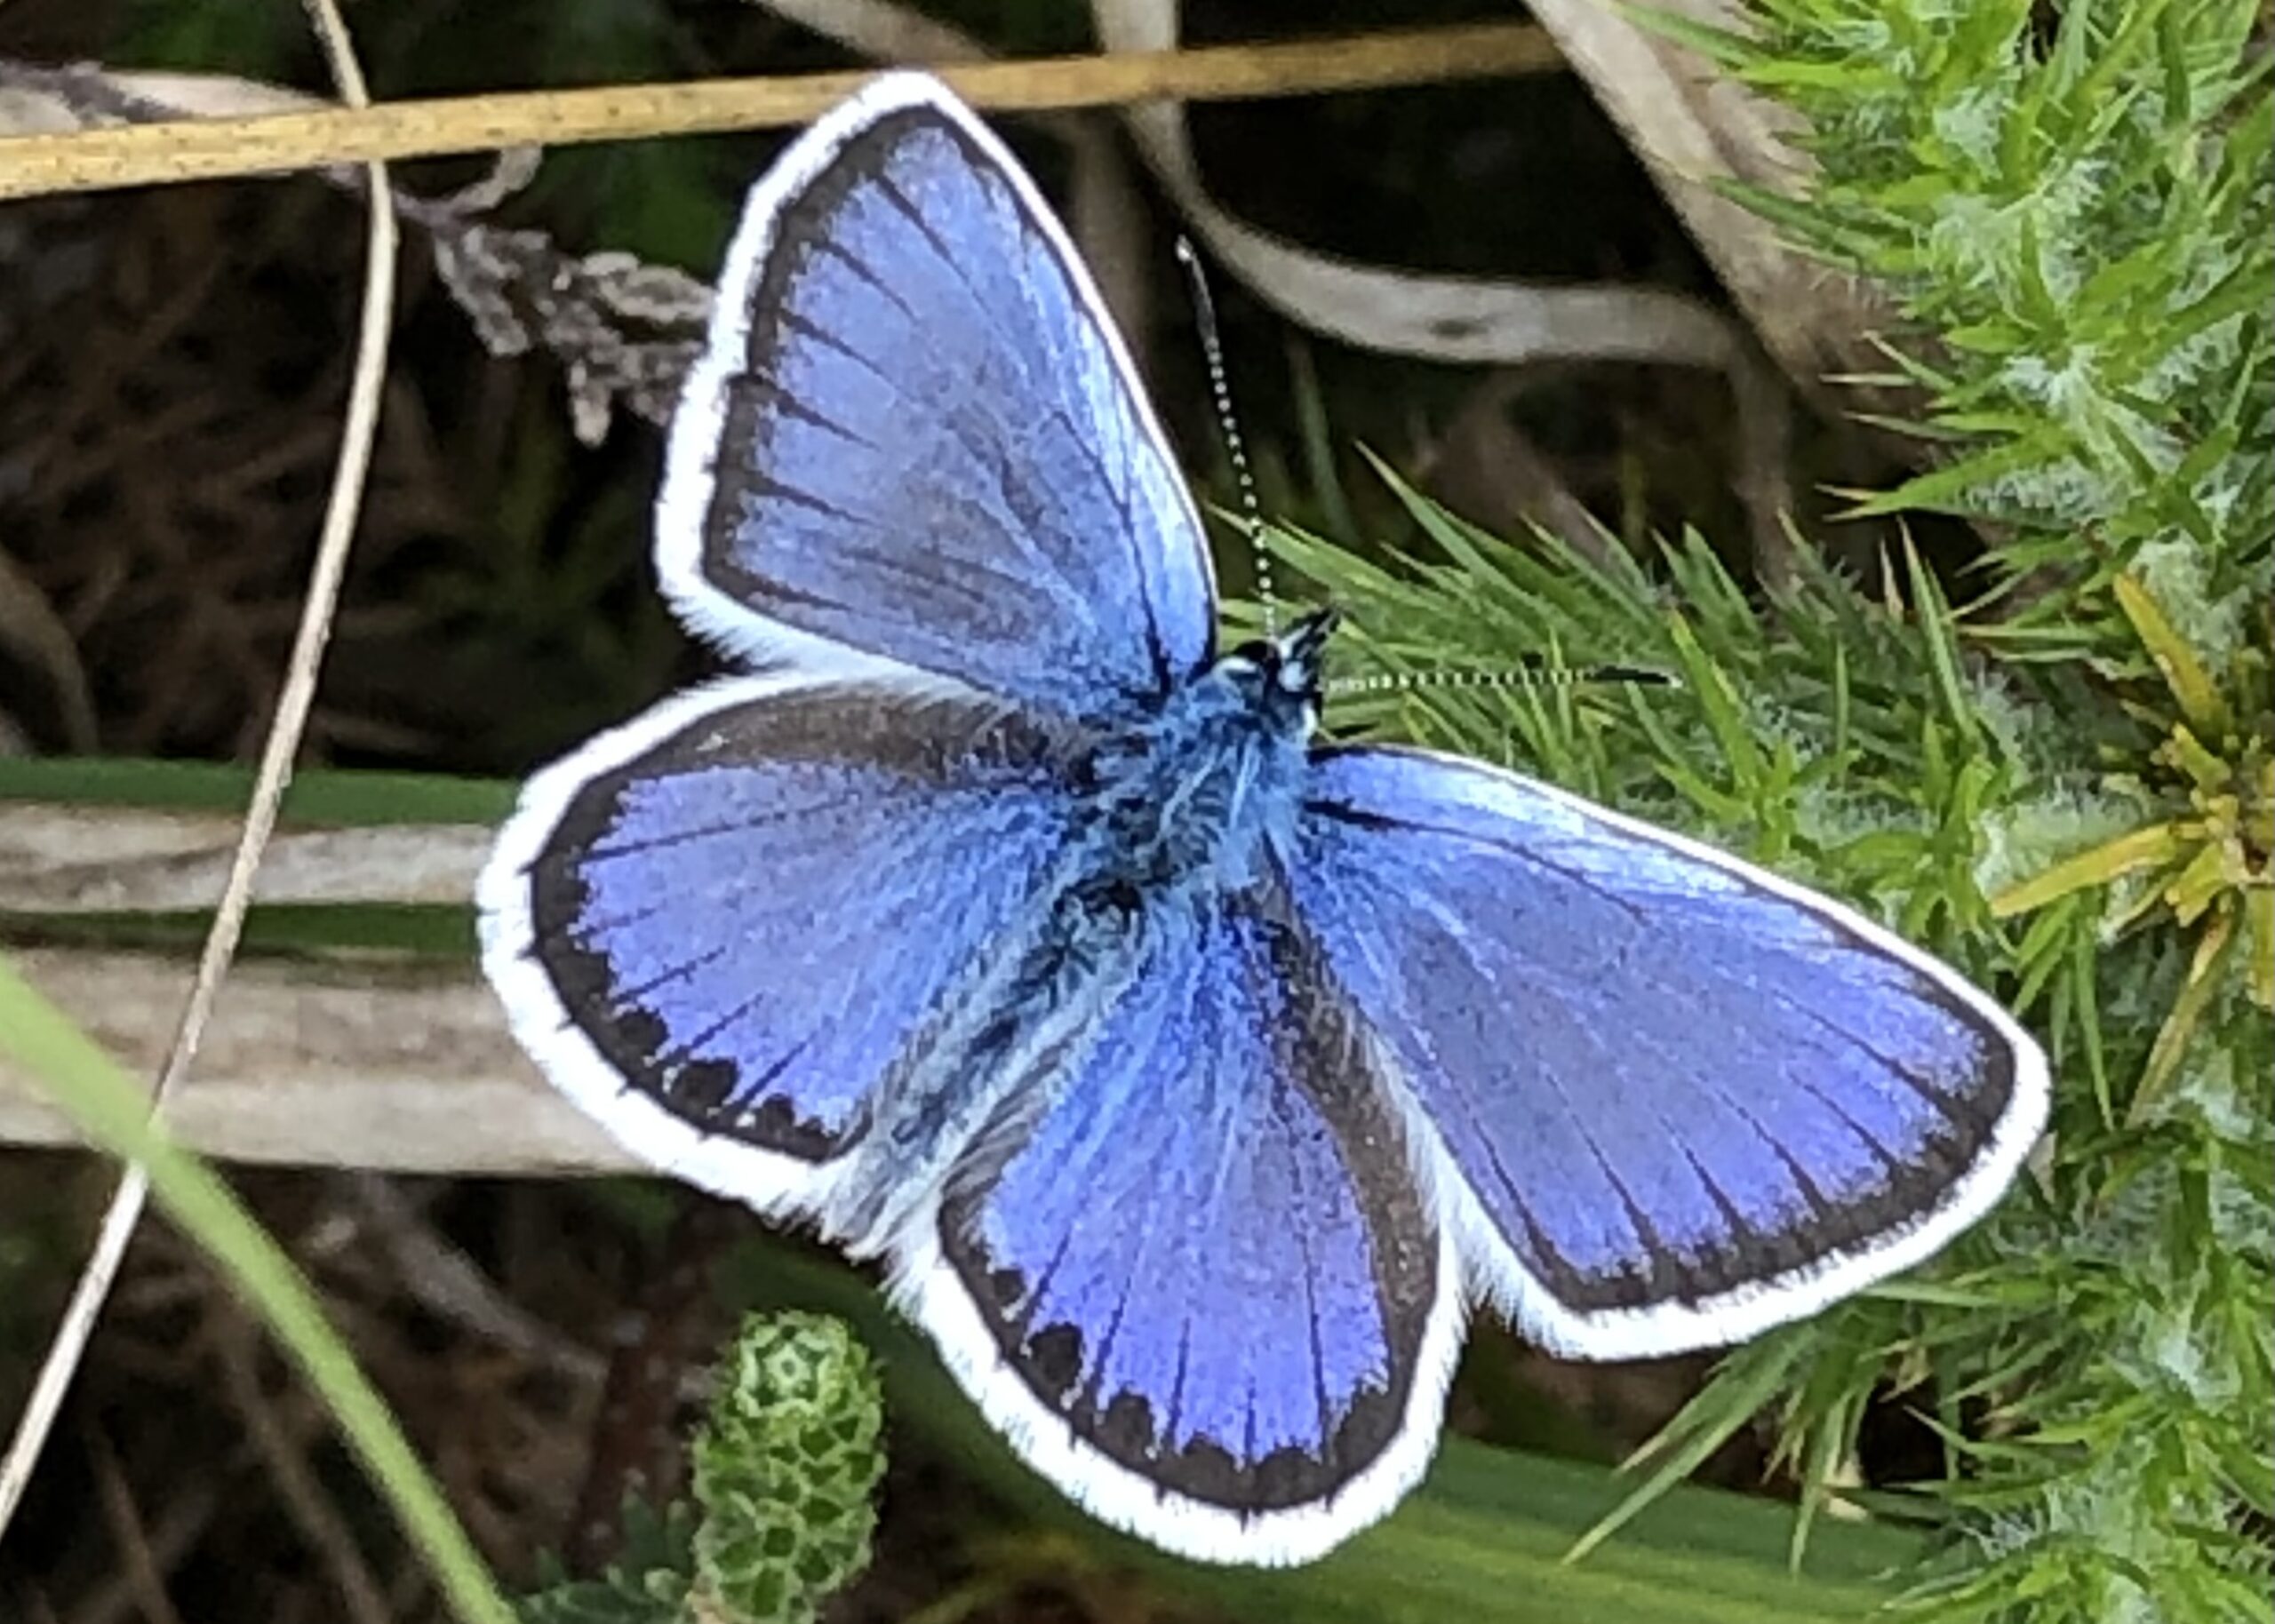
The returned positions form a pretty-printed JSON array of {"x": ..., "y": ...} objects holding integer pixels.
[
  {"x": 912, "y": 432},
  {"x": 1681, "y": 1100}
]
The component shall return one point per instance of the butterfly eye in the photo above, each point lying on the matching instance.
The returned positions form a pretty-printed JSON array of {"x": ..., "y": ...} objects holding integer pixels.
[{"x": 1252, "y": 669}]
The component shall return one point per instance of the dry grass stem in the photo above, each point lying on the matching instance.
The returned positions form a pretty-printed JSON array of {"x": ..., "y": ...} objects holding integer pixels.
[
  {"x": 342, "y": 504},
  {"x": 154, "y": 154}
]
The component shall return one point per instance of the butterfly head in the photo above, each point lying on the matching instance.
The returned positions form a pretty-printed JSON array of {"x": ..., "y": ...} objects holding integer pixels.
[{"x": 1280, "y": 674}]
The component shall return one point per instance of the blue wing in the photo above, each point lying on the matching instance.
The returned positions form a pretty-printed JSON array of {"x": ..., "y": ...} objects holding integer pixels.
[
  {"x": 721, "y": 925},
  {"x": 1199, "y": 1288},
  {"x": 1678, "y": 1100},
  {"x": 912, "y": 432}
]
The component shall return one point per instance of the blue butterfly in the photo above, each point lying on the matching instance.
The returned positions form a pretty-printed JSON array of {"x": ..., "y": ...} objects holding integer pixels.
[{"x": 1190, "y": 1076}]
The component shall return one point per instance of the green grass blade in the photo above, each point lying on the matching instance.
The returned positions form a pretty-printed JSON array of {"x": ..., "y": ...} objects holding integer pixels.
[{"x": 112, "y": 1109}]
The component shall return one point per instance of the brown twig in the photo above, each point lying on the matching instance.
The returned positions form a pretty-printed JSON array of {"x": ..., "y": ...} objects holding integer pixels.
[
  {"x": 237, "y": 1348},
  {"x": 638, "y": 1446},
  {"x": 188, "y": 1511},
  {"x": 126, "y": 1529},
  {"x": 449, "y": 1284},
  {"x": 207, "y": 149},
  {"x": 358, "y": 434}
]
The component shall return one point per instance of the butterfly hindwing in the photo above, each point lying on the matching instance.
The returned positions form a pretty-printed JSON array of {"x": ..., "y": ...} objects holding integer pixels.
[
  {"x": 686, "y": 917},
  {"x": 1679, "y": 1099},
  {"x": 913, "y": 433},
  {"x": 1199, "y": 1288}
]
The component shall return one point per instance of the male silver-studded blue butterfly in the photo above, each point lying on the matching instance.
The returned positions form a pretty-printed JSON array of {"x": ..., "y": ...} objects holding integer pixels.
[{"x": 1190, "y": 1076}]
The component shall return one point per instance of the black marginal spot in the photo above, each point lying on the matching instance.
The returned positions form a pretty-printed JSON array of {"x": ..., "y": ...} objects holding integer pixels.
[
  {"x": 1125, "y": 1427},
  {"x": 1054, "y": 1362},
  {"x": 774, "y": 1121},
  {"x": 1007, "y": 1291},
  {"x": 702, "y": 1089}
]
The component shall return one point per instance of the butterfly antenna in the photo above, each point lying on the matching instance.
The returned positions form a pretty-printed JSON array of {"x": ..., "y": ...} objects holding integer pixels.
[
  {"x": 1221, "y": 390},
  {"x": 1514, "y": 676}
]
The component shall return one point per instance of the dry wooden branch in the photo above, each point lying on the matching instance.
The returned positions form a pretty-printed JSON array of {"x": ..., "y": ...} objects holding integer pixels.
[
  {"x": 207, "y": 149},
  {"x": 352, "y": 1064},
  {"x": 346, "y": 1062},
  {"x": 62, "y": 859}
]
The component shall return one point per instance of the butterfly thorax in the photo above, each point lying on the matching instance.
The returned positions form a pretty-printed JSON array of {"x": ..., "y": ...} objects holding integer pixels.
[{"x": 1195, "y": 796}]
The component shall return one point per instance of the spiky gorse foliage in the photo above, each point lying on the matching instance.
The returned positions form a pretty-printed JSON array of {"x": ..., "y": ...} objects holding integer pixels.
[
  {"x": 2066, "y": 788},
  {"x": 786, "y": 1475}
]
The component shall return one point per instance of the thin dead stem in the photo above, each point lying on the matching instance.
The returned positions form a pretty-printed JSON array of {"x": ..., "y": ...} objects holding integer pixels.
[
  {"x": 340, "y": 509},
  {"x": 206, "y": 149},
  {"x": 127, "y": 1529},
  {"x": 237, "y": 1347}
]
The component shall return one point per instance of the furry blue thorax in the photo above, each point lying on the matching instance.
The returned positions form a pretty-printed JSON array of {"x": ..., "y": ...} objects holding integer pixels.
[{"x": 1193, "y": 798}]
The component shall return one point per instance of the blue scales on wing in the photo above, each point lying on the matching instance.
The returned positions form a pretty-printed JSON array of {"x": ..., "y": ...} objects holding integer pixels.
[
  {"x": 924, "y": 440},
  {"x": 753, "y": 902},
  {"x": 1690, "y": 1099},
  {"x": 1204, "y": 1260}
]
